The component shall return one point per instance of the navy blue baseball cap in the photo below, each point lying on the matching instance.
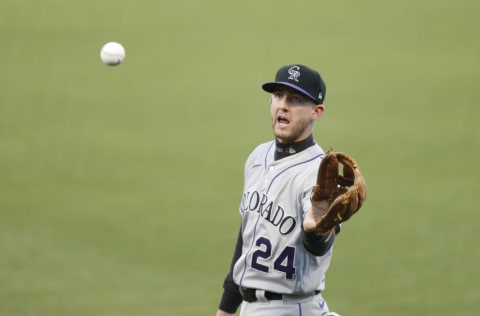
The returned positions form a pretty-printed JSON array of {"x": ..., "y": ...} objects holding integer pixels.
[{"x": 300, "y": 78}]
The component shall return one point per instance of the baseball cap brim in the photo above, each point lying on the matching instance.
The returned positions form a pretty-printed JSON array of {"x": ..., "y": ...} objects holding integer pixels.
[{"x": 271, "y": 86}]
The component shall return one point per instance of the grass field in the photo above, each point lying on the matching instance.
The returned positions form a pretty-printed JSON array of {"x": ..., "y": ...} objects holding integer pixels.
[{"x": 119, "y": 186}]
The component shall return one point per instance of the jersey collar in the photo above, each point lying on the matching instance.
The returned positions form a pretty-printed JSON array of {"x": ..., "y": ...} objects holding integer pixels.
[{"x": 285, "y": 150}]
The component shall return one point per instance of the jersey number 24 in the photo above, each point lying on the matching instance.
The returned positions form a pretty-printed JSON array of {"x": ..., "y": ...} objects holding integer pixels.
[{"x": 283, "y": 263}]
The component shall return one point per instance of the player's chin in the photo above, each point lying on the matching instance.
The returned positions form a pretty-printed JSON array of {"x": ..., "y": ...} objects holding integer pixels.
[
  {"x": 278, "y": 130},
  {"x": 282, "y": 135}
]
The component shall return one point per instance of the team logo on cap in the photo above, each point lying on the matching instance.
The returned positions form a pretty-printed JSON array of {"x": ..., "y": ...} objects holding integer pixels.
[{"x": 294, "y": 73}]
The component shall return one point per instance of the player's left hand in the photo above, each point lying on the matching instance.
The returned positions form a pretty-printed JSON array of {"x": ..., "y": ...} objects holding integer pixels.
[{"x": 336, "y": 197}]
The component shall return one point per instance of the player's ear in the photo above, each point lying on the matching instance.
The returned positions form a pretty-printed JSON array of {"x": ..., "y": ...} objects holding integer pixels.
[{"x": 317, "y": 111}]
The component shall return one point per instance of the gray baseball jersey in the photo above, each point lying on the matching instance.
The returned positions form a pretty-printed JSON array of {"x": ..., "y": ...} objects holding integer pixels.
[{"x": 275, "y": 198}]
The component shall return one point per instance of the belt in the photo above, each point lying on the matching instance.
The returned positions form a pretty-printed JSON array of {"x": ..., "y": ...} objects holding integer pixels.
[{"x": 250, "y": 295}]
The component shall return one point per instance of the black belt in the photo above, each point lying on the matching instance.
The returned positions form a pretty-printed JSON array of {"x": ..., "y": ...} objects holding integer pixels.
[{"x": 249, "y": 295}]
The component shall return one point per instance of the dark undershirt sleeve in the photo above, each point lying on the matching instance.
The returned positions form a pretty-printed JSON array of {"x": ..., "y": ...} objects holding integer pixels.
[
  {"x": 318, "y": 245},
  {"x": 231, "y": 297}
]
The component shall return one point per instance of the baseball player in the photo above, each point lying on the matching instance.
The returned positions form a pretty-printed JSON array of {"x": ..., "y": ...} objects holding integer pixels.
[{"x": 278, "y": 267}]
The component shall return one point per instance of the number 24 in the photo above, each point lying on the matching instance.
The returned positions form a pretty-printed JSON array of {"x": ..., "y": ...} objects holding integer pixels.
[{"x": 283, "y": 263}]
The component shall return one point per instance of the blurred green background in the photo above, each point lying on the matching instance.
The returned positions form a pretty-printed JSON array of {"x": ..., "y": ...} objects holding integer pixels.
[{"x": 119, "y": 186}]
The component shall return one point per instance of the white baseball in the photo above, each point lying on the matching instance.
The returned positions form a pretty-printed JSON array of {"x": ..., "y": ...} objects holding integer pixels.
[{"x": 112, "y": 53}]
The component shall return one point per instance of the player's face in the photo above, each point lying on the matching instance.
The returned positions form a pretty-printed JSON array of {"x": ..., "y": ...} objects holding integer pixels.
[{"x": 293, "y": 115}]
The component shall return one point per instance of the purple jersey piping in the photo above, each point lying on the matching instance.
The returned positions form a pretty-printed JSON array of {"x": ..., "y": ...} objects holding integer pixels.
[{"x": 290, "y": 167}]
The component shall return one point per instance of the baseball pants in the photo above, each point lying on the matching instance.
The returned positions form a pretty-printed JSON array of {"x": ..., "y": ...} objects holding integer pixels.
[{"x": 311, "y": 306}]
